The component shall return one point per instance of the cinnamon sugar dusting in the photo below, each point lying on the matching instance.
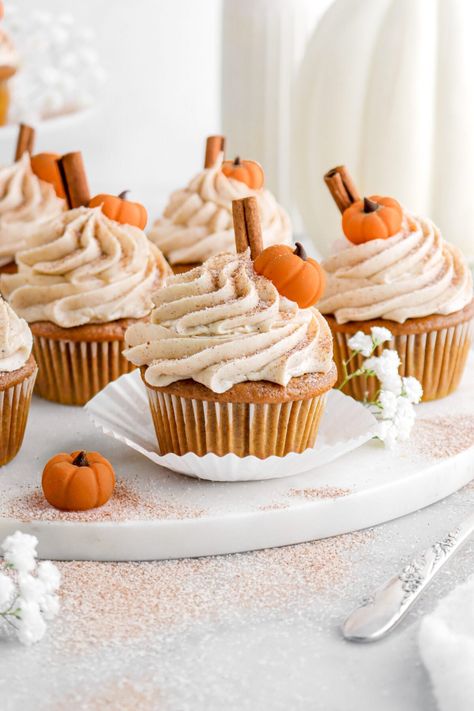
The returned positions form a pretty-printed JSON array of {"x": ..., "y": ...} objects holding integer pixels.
[
  {"x": 114, "y": 603},
  {"x": 323, "y": 492},
  {"x": 442, "y": 437},
  {"x": 127, "y": 503}
]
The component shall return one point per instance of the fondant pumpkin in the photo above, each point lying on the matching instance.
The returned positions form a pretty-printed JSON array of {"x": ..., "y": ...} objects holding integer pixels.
[
  {"x": 78, "y": 481},
  {"x": 45, "y": 166},
  {"x": 372, "y": 218},
  {"x": 121, "y": 210},
  {"x": 247, "y": 171},
  {"x": 295, "y": 275}
]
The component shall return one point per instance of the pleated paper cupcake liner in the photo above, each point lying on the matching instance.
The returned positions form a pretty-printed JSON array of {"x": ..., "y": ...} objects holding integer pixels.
[
  {"x": 14, "y": 408},
  {"x": 436, "y": 358},
  {"x": 71, "y": 372},
  {"x": 122, "y": 411},
  {"x": 262, "y": 430}
]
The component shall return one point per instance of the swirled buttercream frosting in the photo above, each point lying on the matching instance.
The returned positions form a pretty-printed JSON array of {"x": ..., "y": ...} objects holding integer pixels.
[
  {"x": 197, "y": 221},
  {"x": 413, "y": 274},
  {"x": 221, "y": 324},
  {"x": 84, "y": 268},
  {"x": 25, "y": 202},
  {"x": 16, "y": 340}
]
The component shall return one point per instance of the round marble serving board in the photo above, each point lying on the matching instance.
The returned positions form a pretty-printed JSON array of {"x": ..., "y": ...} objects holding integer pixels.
[{"x": 158, "y": 514}]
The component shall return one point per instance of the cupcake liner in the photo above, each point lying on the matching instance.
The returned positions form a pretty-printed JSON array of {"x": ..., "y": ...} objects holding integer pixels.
[
  {"x": 435, "y": 358},
  {"x": 262, "y": 430},
  {"x": 14, "y": 409},
  {"x": 72, "y": 372},
  {"x": 121, "y": 411}
]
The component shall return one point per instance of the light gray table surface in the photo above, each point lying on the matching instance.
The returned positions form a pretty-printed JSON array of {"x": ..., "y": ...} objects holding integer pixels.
[{"x": 256, "y": 631}]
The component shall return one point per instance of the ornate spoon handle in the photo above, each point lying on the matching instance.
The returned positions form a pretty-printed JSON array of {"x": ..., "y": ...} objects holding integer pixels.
[{"x": 381, "y": 613}]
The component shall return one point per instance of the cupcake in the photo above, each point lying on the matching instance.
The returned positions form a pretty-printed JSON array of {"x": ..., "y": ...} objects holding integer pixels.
[
  {"x": 394, "y": 270},
  {"x": 9, "y": 61},
  {"x": 26, "y": 202},
  {"x": 197, "y": 221},
  {"x": 17, "y": 377},
  {"x": 81, "y": 282},
  {"x": 229, "y": 364}
]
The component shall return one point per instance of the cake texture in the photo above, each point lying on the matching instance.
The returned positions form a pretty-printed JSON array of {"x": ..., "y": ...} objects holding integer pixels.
[
  {"x": 80, "y": 282},
  {"x": 197, "y": 221},
  {"x": 230, "y": 365},
  {"x": 17, "y": 376},
  {"x": 415, "y": 284}
]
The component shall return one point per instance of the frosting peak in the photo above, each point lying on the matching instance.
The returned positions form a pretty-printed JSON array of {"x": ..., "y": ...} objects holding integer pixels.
[
  {"x": 221, "y": 324},
  {"x": 25, "y": 202},
  {"x": 197, "y": 221},
  {"x": 16, "y": 340},
  {"x": 413, "y": 274},
  {"x": 85, "y": 268}
]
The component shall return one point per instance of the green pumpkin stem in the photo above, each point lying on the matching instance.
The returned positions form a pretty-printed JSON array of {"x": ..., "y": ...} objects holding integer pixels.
[
  {"x": 300, "y": 251},
  {"x": 370, "y": 205},
  {"x": 81, "y": 460},
  {"x": 123, "y": 194}
]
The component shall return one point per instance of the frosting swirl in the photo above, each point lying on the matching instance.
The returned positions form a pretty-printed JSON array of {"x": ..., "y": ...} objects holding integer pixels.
[
  {"x": 221, "y": 324},
  {"x": 85, "y": 268},
  {"x": 413, "y": 274},
  {"x": 197, "y": 221},
  {"x": 16, "y": 340},
  {"x": 25, "y": 202}
]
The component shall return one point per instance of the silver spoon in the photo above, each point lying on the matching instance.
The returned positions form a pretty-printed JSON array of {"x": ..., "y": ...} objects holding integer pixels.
[{"x": 381, "y": 613}]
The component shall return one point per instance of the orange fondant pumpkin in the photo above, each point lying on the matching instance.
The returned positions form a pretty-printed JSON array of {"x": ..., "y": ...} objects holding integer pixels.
[
  {"x": 78, "y": 481},
  {"x": 45, "y": 166},
  {"x": 247, "y": 171},
  {"x": 121, "y": 210},
  {"x": 295, "y": 275},
  {"x": 372, "y": 218}
]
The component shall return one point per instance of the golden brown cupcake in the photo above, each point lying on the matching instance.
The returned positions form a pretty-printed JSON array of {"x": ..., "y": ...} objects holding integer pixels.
[
  {"x": 26, "y": 202},
  {"x": 80, "y": 282},
  {"x": 395, "y": 270},
  {"x": 230, "y": 365},
  {"x": 197, "y": 221},
  {"x": 17, "y": 376}
]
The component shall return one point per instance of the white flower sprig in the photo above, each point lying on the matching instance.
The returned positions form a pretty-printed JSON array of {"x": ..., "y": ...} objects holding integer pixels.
[
  {"x": 393, "y": 402},
  {"x": 28, "y": 594}
]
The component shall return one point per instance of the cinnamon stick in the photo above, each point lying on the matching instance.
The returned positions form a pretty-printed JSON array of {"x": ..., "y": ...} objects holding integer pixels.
[
  {"x": 25, "y": 141},
  {"x": 74, "y": 179},
  {"x": 214, "y": 146},
  {"x": 247, "y": 227},
  {"x": 342, "y": 187}
]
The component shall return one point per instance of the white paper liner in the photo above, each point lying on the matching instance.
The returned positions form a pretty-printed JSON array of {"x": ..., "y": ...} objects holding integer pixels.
[{"x": 121, "y": 411}]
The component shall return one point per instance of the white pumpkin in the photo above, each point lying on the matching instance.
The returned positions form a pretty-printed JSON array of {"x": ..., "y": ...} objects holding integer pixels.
[{"x": 386, "y": 87}]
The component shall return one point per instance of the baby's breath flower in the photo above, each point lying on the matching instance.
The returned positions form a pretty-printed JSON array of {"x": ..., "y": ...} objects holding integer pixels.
[
  {"x": 31, "y": 625},
  {"x": 411, "y": 389},
  {"x": 380, "y": 335},
  {"x": 388, "y": 404},
  {"x": 361, "y": 343},
  {"x": 20, "y": 551},
  {"x": 49, "y": 575},
  {"x": 385, "y": 368},
  {"x": 7, "y": 589}
]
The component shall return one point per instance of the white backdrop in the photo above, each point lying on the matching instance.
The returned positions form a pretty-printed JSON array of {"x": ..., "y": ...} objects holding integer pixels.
[{"x": 161, "y": 97}]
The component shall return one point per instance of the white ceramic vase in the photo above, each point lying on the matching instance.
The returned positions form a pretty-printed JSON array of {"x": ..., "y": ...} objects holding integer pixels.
[{"x": 386, "y": 87}]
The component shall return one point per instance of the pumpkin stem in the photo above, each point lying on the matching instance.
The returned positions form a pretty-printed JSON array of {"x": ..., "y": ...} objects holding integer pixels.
[
  {"x": 237, "y": 160},
  {"x": 300, "y": 251},
  {"x": 81, "y": 460},
  {"x": 123, "y": 194},
  {"x": 370, "y": 205}
]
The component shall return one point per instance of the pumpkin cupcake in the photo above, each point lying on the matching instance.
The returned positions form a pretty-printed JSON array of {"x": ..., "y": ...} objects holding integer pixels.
[
  {"x": 9, "y": 61},
  {"x": 25, "y": 202},
  {"x": 17, "y": 376},
  {"x": 230, "y": 365},
  {"x": 83, "y": 279},
  {"x": 395, "y": 270},
  {"x": 197, "y": 221}
]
